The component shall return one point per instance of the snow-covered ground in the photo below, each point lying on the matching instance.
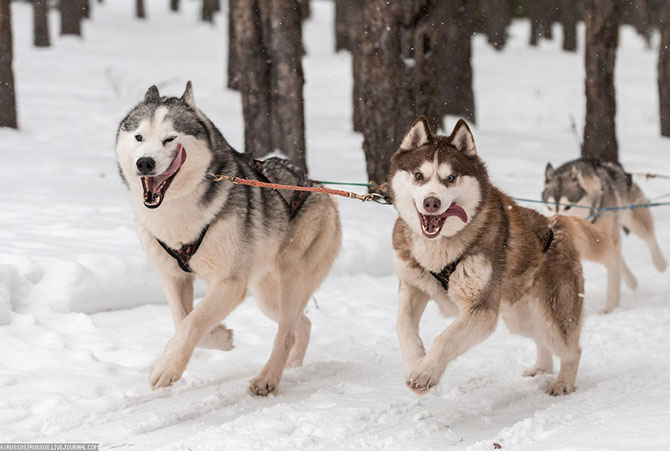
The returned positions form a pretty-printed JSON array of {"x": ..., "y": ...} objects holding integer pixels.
[{"x": 85, "y": 317}]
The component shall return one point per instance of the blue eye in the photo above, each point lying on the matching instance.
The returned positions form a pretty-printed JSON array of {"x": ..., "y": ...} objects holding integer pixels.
[{"x": 450, "y": 179}]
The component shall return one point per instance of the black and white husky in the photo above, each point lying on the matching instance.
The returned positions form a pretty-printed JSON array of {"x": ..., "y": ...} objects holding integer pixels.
[{"x": 279, "y": 245}]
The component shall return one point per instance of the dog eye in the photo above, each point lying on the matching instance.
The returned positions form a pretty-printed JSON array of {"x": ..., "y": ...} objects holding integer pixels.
[
  {"x": 450, "y": 179},
  {"x": 418, "y": 176},
  {"x": 567, "y": 207},
  {"x": 169, "y": 140},
  {"x": 139, "y": 138}
]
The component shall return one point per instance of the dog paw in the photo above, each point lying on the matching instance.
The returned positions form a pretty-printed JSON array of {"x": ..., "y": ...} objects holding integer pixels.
[
  {"x": 559, "y": 388},
  {"x": 166, "y": 370},
  {"x": 423, "y": 378},
  {"x": 263, "y": 385},
  {"x": 535, "y": 370},
  {"x": 218, "y": 338}
]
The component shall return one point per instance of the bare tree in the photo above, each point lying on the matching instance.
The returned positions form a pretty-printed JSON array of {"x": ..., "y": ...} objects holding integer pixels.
[
  {"x": 7, "y": 96},
  {"x": 41, "y": 23},
  {"x": 568, "y": 17},
  {"x": 268, "y": 73},
  {"x": 540, "y": 13},
  {"x": 384, "y": 99},
  {"x": 496, "y": 19},
  {"x": 456, "y": 82},
  {"x": 70, "y": 17},
  {"x": 209, "y": 7},
  {"x": 232, "y": 47},
  {"x": 664, "y": 69},
  {"x": 140, "y": 12},
  {"x": 288, "y": 125},
  {"x": 343, "y": 10},
  {"x": 602, "y": 38}
]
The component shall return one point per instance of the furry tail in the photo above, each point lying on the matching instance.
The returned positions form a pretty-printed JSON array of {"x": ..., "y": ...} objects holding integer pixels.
[{"x": 591, "y": 243}]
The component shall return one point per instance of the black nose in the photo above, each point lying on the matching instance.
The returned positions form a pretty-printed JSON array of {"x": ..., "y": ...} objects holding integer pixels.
[
  {"x": 145, "y": 165},
  {"x": 431, "y": 204}
]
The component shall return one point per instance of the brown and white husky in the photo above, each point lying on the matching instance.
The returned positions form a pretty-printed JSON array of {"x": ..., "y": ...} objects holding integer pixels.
[{"x": 462, "y": 242}]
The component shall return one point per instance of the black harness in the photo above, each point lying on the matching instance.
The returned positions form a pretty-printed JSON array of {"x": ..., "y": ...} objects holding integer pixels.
[
  {"x": 444, "y": 275},
  {"x": 184, "y": 254}
]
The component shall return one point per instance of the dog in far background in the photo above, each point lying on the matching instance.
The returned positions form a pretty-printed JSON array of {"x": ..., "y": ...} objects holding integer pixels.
[{"x": 595, "y": 184}]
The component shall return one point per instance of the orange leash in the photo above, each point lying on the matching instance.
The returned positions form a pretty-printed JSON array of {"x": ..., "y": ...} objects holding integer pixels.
[{"x": 375, "y": 197}]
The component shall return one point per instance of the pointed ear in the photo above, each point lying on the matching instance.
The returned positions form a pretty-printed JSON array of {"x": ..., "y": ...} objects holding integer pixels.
[
  {"x": 152, "y": 95},
  {"x": 549, "y": 172},
  {"x": 462, "y": 139},
  {"x": 417, "y": 135},
  {"x": 187, "y": 96}
]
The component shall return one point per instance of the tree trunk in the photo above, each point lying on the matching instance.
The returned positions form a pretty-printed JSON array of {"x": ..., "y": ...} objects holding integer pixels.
[
  {"x": 174, "y": 5},
  {"x": 209, "y": 7},
  {"x": 642, "y": 20},
  {"x": 254, "y": 77},
  {"x": 305, "y": 9},
  {"x": 664, "y": 69},
  {"x": 140, "y": 13},
  {"x": 382, "y": 90},
  {"x": 232, "y": 47},
  {"x": 496, "y": 19},
  {"x": 342, "y": 18},
  {"x": 568, "y": 15},
  {"x": 288, "y": 119},
  {"x": 457, "y": 92},
  {"x": 602, "y": 36},
  {"x": 70, "y": 17},
  {"x": 540, "y": 13},
  {"x": 85, "y": 6},
  {"x": 41, "y": 23},
  {"x": 7, "y": 96}
]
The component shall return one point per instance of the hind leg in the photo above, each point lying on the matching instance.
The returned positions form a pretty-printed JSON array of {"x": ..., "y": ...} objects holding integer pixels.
[
  {"x": 303, "y": 265},
  {"x": 614, "y": 279},
  {"x": 628, "y": 276},
  {"x": 641, "y": 223},
  {"x": 544, "y": 362},
  {"x": 291, "y": 304},
  {"x": 565, "y": 309},
  {"x": 570, "y": 355}
]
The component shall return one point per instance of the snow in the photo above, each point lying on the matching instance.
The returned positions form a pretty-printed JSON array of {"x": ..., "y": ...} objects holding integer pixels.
[{"x": 82, "y": 315}]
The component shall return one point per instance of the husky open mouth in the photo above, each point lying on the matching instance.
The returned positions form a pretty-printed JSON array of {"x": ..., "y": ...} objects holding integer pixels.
[
  {"x": 431, "y": 225},
  {"x": 155, "y": 186}
]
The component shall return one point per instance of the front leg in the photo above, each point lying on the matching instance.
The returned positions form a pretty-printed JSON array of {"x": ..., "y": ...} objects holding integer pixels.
[
  {"x": 471, "y": 327},
  {"x": 411, "y": 305},
  {"x": 220, "y": 300},
  {"x": 478, "y": 301},
  {"x": 178, "y": 291}
]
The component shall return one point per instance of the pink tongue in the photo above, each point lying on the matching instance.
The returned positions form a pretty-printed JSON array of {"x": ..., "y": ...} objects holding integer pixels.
[
  {"x": 455, "y": 210},
  {"x": 156, "y": 180}
]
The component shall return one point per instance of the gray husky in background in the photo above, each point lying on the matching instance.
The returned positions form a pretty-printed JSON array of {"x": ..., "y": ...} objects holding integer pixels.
[
  {"x": 234, "y": 237},
  {"x": 594, "y": 184}
]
